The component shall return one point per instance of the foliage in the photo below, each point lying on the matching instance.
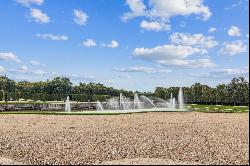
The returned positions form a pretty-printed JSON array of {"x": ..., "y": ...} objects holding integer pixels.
[{"x": 235, "y": 93}]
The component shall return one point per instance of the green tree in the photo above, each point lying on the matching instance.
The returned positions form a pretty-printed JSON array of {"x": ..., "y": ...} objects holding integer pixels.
[
  {"x": 59, "y": 85},
  {"x": 197, "y": 92}
]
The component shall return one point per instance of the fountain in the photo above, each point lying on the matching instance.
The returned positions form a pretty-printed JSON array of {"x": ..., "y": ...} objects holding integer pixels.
[
  {"x": 173, "y": 104},
  {"x": 137, "y": 103},
  {"x": 124, "y": 102},
  {"x": 180, "y": 99},
  {"x": 113, "y": 103},
  {"x": 121, "y": 102},
  {"x": 147, "y": 100},
  {"x": 160, "y": 102},
  {"x": 99, "y": 106},
  {"x": 67, "y": 105},
  {"x": 142, "y": 103}
]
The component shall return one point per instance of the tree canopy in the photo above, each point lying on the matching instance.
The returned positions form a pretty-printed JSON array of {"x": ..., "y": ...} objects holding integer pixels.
[{"x": 236, "y": 92}]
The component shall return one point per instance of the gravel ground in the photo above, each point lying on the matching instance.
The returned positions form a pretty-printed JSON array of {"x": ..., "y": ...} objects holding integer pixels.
[
  {"x": 191, "y": 137},
  {"x": 146, "y": 161},
  {"x": 7, "y": 161}
]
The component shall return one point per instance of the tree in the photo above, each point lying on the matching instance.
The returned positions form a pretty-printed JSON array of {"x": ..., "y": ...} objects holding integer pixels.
[
  {"x": 221, "y": 93},
  {"x": 197, "y": 92},
  {"x": 59, "y": 85}
]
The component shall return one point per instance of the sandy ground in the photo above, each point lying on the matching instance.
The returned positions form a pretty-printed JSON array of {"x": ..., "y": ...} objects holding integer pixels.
[{"x": 144, "y": 138}]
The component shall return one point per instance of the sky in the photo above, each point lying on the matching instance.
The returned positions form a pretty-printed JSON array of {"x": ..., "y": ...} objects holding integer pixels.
[{"x": 127, "y": 44}]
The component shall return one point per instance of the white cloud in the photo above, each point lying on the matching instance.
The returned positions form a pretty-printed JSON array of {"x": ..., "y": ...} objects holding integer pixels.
[
  {"x": 173, "y": 55},
  {"x": 108, "y": 81},
  {"x": 52, "y": 37},
  {"x": 22, "y": 69},
  {"x": 123, "y": 75},
  {"x": 35, "y": 63},
  {"x": 39, "y": 16},
  {"x": 185, "y": 63},
  {"x": 9, "y": 56},
  {"x": 143, "y": 69},
  {"x": 163, "y": 10},
  {"x": 39, "y": 72},
  {"x": 197, "y": 40},
  {"x": 137, "y": 8},
  {"x": 80, "y": 17},
  {"x": 166, "y": 52},
  {"x": 233, "y": 48},
  {"x": 177, "y": 54},
  {"x": 154, "y": 26},
  {"x": 2, "y": 69},
  {"x": 233, "y": 31},
  {"x": 27, "y": 3},
  {"x": 223, "y": 73},
  {"x": 82, "y": 77},
  {"x": 212, "y": 29},
  {"x": 113, "y": 44},
  {"x": 25, "y": 70},
  {"x": 166, "y": 9},
  {"x": 89, "y": 43}
]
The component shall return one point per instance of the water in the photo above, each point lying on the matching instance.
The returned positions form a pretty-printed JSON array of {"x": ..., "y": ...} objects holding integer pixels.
[
  {"x": 99, "y": 106},
  {"x": 160, "y": 102},
  {"x": 173, "y": 105},
  {"x": 113, "y": 103},
  {"x": 125, "y": 103},
  {"x": 180, "y": 99},
  {"x": 137, "y": 103},
  {"x": 122, "y": 103},
  {"x": 147, "y": 100},
  {"x": 67, "y": 105}
]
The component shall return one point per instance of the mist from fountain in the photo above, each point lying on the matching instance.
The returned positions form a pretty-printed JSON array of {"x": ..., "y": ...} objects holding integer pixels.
[
  {"x": 113, "y": 103},
  {"x": 170, "y": 101},
  {"x": 160, "y": 102},
  {"x": 67, "y": 105},
  {"x": 125, "y": 103},
  {"x": 146, "y": 100},
  {"x": 121, "y": 102},
  {"x": 99, "y": 106},
  {"x": 137, "y": 103},
  {"x": 174, "y": 104}
]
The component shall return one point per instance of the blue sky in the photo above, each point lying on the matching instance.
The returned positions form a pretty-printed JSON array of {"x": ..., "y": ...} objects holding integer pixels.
[{"x": 133, "y": 44}]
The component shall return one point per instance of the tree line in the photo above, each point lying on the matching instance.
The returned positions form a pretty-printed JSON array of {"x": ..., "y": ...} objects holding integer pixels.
[{"x": 234, "y": 93}]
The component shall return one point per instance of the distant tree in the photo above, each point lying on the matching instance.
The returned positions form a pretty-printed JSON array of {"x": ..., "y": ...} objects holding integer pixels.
[
  {"x": 197, "y": 92},
  {"x": 59, "y": 85},
  {"x": 221, "y": 93},
  {"x": 236, "y": 92}
]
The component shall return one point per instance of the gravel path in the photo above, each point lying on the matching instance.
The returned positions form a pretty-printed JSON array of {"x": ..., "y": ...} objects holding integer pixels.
[{"x": 187, "y": 137}]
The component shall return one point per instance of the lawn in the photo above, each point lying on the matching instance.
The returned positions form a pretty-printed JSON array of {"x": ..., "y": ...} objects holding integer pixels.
[{"x": 218, "y": 108}]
